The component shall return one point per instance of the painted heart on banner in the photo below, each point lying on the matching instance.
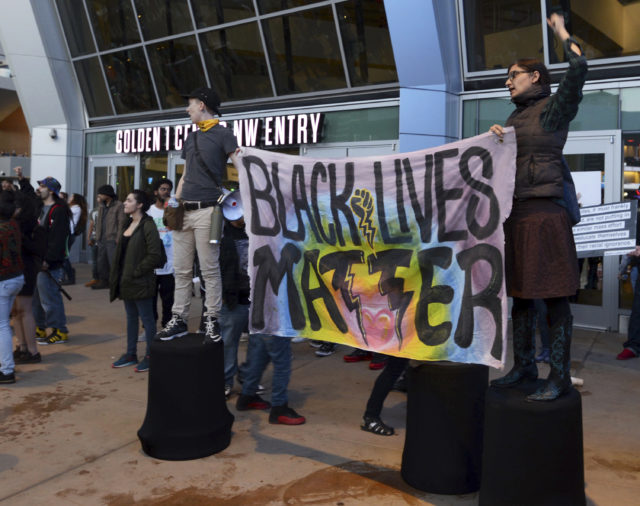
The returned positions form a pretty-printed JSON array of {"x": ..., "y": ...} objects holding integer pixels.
[{"x": 380, "y": 327}]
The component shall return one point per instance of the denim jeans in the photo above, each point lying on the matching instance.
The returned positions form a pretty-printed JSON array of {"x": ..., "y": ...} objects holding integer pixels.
[
  {"x": 232, "y": 323},
  {"x": 142, "y": 309},
  {"x": 262, "y": 348},
  {"x": 48, "y": 307},
  {"x": 193, "y": 237},
  {"x": 9, "y": 288}
]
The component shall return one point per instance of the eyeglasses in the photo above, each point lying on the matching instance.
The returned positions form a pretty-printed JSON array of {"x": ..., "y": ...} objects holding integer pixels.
[{"x": 514, "y": 73}]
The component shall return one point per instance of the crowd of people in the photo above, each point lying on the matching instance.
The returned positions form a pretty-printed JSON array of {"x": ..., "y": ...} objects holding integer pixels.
[{"x": 140, "y": 259}]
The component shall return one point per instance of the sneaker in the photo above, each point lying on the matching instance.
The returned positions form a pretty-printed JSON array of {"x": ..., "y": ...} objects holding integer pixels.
[
  {"x": 298, "y": 339},
  {"x": 91, "y": 283},
  {"x": 143, "y": 366},
  {"x": 7, "y": 378},
  {"x": 41, "y": 334},
  {"x": 211, "y": 330},
  {"x": 246, "y": 402},
  {"x": 28, "y": 358},
  {"x": 357, "y": 356},
  {"x": 314, "y": 343},
  {"x": 56, "y": 337},
  {"x": 227, "y": 392},
  {"x": 626, "y": 354},
  {"x": 176, "y": 327},
  {"x": 285, "y": 415},
  {"x": 377, "y": 362},
  {"x": 124, "y": 361},
  {"x": 17, "y": 353},
  {"x": 202, "y": 326},
  {"x": 326, "y": 349},
  {"x": 100, "y": 285}
]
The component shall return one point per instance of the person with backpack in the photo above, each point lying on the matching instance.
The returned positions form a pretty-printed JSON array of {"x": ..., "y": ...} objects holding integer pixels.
[
  {"x": 138, "y": 253},
  {"x": 48, "y": 307},
  {"x": 78, "y": 208}
]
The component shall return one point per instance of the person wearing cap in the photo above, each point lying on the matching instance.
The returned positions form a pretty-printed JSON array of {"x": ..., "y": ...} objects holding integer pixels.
[
  {"x": 48, "y": 306},
  {"x": 110, "y": 220},
  {"x": 205, "y": 153}
]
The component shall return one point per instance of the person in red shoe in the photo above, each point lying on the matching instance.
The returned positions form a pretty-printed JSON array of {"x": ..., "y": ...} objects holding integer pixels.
[
  {"x": 632, "y": 344},
  {"x": 357, "y": 355},
  {"x": 262, "y": 349}
]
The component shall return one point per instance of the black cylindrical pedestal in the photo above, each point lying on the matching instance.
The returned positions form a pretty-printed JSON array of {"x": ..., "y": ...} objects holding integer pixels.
[
  {"x": 532, "y": 450},
  {"x": 187, "y": 416},
  {"x": 443, "y": 446}
]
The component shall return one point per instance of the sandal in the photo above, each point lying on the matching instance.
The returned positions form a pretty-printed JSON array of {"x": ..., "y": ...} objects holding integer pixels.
[{"x": 374, "y": 425}]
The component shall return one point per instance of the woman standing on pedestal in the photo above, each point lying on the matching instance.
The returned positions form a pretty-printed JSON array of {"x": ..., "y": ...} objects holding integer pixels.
[{"x": 540, "y": 254}]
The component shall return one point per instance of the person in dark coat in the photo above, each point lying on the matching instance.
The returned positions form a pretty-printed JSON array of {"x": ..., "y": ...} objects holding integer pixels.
[
  {"x": 540, "y": 254},
  {"x": 33, "y": 241},
  {"x": 132, "y": 278}
]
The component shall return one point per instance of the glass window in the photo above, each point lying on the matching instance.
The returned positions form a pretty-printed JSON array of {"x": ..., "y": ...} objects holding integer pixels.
[
  {"x": 94, "y": 90},
  {"x": 113, "y": 23},
  {"x": 604, "y": 28},
  {"x": 236, "y": 62},
  {"x": 129, "y": 81},
  {"x": 152, "y": 168},
  {"x": 100, "y": 143},
  {"x": 598, "y": 111},
  {"x": 498, "y": 32},
  {"x": 177, "y": 69},
  {"x": 267, "y": 6},
  {"x": 493, "y": 111},
  {"x": 161, "y": 19},
  {"x": 361, "y": 125},
  {"x": 76, "y": 27},
  {"x": 469, "y": 118},
  {"x": 208, "y": 13},
  {"x": 630, "y": 98},
  {"x": 366, "y": 41},
  {"x": 304, "y": 52}
]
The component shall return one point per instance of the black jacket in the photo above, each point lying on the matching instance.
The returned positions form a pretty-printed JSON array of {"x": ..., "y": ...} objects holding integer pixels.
[
  {"x": 235, "y": 280},
  {"x": 143, "y": 255},
  {"x": 56, "y": 227}
]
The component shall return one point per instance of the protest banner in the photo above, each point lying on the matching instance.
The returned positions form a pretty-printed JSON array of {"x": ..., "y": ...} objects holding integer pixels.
[{"x": 401, "y": 254}]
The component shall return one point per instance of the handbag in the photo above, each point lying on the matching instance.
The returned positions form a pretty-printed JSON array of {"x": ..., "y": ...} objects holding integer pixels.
[{"x": 174, "y": 216}]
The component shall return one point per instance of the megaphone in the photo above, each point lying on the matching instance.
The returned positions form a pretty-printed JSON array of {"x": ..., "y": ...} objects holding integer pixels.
[{"x": 229, "y": 205}]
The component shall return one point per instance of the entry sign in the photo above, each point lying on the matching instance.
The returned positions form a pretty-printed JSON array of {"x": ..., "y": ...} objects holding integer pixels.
[{"x": 606, "y": 230}]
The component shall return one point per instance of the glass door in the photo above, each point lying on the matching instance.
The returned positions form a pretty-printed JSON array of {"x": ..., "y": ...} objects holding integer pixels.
[
  {"x": 120, "y": 172},
  {"x": 594, "y": 160},
  {"x": 176, "y": 168}
]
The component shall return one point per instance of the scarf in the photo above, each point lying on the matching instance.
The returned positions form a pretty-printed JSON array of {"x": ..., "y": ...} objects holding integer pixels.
[{"x": 207, "y": 124}]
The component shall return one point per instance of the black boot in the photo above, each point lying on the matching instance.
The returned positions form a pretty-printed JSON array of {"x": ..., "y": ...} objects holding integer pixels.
[
  {"x": 524, "y": 350},
  {"x": 559, "y": 381}
]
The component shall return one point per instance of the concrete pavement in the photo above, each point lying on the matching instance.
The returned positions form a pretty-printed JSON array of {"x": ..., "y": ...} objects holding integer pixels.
[{"x": 68, "y": 430}]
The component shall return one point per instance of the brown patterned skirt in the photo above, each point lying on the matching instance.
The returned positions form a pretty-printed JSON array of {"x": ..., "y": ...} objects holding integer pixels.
[{"x": 540, "y": 255}]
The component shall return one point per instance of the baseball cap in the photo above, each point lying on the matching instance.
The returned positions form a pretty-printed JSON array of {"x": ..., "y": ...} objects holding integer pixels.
[
  {"x": 51, "y": 183},
  {"x": 208, "y": 96}
]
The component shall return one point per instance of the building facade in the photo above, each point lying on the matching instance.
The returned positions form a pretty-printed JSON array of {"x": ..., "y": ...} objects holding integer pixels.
[{"x": 100, "y": 85}]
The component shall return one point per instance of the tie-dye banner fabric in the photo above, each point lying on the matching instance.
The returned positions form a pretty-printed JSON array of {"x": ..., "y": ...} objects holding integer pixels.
[{"x": 400, "y": 254}]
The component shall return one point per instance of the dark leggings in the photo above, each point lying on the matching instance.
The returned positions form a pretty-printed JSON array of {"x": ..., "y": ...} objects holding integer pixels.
[
  {"x": 557, "y": 308},
  {"x": 383, "y": 385}
]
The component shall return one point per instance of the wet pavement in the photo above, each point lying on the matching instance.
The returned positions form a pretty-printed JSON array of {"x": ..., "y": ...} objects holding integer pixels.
[{"x": 68, "y": 430}]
